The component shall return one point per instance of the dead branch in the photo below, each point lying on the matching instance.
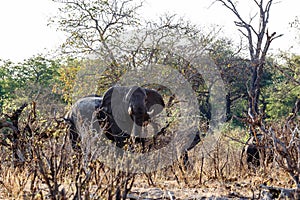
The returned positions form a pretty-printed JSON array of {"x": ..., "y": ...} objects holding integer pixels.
[{"x": 14, "y": 118}]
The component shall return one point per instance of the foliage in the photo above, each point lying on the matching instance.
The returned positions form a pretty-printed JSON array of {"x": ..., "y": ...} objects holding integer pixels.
[
  {"x": 30, "y": 79},
  {"x": 66, "y": 79},
  {"x": 235, "y": 72},
  {"x": 7, "y": 84},
  {"x": 284, "y": 88}
]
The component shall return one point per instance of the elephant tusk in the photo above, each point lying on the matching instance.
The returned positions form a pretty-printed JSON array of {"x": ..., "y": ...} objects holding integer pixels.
[
  {"x": 150, "y": 113},
  {"x": 130, "y": 110}
]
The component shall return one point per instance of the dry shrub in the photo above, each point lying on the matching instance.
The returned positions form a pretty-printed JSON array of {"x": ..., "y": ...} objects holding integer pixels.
[
  {"x": 217, "y": 157},
  {"x": 39, "y": 163}
]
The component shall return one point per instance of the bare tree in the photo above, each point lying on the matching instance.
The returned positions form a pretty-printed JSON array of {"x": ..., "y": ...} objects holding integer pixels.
[
  {"x": 113, "y": 31},
  {"x": 93, "y": 25},
  {"x": 259, "y": 41},
  {"x": 93, "y": 28}
]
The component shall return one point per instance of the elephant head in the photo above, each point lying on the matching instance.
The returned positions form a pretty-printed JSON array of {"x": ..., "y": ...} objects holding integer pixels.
[{"x": 128, "y": 108}]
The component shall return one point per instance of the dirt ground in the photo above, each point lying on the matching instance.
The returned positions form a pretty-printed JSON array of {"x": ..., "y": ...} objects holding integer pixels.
[
  {"x": 209, "y": 190},
  {"x": 248, "y": 187}
]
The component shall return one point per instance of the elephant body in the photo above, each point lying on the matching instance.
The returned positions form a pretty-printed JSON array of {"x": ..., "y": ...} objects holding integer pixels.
[
  {"x": 252, "y": 156},
  {"x": 120, "y": 113},
  {"x": 185, "y": 155},
  {"x": 253, "y": 151},
  {"x": 258, "y": 151},
  {"x": 82, "y": 115}
]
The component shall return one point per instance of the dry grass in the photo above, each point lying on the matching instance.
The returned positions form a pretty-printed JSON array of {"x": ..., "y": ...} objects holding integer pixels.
[
  {"x": 56, "y": 176},
  {"x": 44, "y": 166}
]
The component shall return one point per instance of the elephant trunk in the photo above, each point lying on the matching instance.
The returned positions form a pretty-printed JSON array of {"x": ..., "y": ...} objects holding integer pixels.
[{"x": 137, "y": 126}]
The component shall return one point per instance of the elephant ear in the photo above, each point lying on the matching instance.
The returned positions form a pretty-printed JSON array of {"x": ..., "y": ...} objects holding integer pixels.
[
  {"x": 155, "y": 103},
  {"x": 106, "y": 101},
  {"x": 114, "y": 96}
]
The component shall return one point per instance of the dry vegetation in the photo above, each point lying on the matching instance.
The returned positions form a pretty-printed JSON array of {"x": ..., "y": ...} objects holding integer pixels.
[
  {"x": 37, "y": 162},
  {"x": 37, "y": 159}
]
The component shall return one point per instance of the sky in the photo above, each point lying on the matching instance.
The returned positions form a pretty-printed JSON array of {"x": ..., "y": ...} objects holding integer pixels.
[{"x": 24, "y": 31}]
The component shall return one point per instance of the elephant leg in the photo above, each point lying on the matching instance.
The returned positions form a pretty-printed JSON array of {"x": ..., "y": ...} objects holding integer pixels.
[
  {"x": 120, "y": 142},
  {"x": 138, "y": 144},
  {"x": 185, "y": 158},
  {"x": 253, "y": 157},
  {"x": 141, "y": 141},
  {"x": 74, "y": 137}
]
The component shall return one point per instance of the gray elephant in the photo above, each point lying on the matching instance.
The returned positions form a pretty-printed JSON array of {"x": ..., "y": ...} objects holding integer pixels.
[
  {"x": 84, "y": 113},
  {"x": 121, "y": 113},
  {"x": 259, "y": 151},
  {"x": 252, "y": 152}
]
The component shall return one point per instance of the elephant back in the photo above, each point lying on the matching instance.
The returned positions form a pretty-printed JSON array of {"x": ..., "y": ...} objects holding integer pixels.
[{"x": 83, "y": 110}]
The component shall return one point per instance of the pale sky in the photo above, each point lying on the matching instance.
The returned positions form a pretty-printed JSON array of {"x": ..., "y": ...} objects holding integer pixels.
[{"x": 24, "y": 30}]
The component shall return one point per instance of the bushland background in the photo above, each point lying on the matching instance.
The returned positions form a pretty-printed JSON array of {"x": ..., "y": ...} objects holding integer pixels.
[{"x": 262, "y": 97}]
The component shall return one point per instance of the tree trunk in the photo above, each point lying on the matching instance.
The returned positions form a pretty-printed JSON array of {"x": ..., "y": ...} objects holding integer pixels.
[
  {"x": 228, "y": 105},
  {"x": 254, "y": 93}
]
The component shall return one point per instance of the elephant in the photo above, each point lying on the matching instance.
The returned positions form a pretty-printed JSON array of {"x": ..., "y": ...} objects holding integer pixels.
[
  {"x": 185, "y": 157},
  {"x": 258, "y": 151},
  {"x": 121, "y": 113},
  {"x": 82, "y": 113},
  {"x": 252, "y": 153}
]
